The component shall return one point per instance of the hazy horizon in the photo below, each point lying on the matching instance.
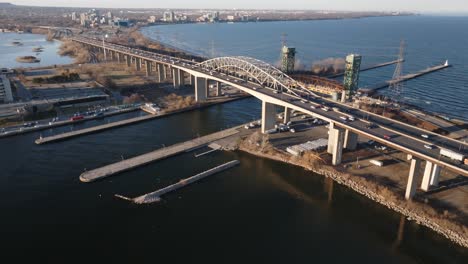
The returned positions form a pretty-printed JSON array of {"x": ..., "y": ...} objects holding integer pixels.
[{"x": 419, "y": 6}]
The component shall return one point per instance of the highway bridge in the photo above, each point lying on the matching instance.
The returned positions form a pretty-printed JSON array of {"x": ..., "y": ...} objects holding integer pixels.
[{"x": 274, "y": 88}]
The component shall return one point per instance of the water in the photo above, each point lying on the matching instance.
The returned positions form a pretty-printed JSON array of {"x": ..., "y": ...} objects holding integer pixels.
[
  {"x": 261, "y": 211},
  {"x": 9, "y": 52},
  {"x": 430, "y": 41}
]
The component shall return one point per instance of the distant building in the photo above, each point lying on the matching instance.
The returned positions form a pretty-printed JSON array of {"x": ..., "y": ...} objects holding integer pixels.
[
  {"x": 351, "y": 76},
  {"x": 230, "y": 18},
  {"x": 5, "y": 90},
  {"x": 288, "y": 57},
  {"x": 83, "y": 19},
  {"x": 73, "y": 16},
  {"x": 152, "y": 19},
  {"x": 168, "y": 16},
  {"x": 109, "y": 15}
]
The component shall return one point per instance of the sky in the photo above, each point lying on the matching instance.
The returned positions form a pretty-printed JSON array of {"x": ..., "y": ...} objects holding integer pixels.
[{"x": 430, "y": 6}]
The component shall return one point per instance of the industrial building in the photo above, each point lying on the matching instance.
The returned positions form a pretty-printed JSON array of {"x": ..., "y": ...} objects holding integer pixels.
[
  {"x": 351, "y": 76},
  {"x": 5, "y": 90}
]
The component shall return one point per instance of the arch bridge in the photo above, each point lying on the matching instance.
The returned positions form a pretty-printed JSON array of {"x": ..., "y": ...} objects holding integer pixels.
[{"x": 258, "y": 71}]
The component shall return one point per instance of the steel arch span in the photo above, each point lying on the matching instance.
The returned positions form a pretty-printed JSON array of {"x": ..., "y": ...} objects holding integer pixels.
[{"x": 260, "y": 71}]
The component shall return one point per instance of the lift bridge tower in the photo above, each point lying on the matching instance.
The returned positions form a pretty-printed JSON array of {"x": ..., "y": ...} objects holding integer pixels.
[
  {"x": 288, "y": 57},
  {"x": 351, "y": 76}
]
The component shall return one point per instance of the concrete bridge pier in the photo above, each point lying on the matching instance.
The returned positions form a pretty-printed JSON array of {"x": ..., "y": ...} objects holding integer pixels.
[
  {"x": 160, "y": 75},
  {"x": 181, "y": 77},
  {"x": 119, "y": 57},
  {"x": 111, "y": 55},
  {"x": 175, "y": 77},
  {"x": 287, "y": 115},
  {"x": 148, "y": 68},
  {"x": 128, "y": 60},
  {"x": 412, "y": 178},
  {"x": 218, "y": 88},
  {"x": 268, "y": 116},
  {"x": 201, "y": 85},
  {"x": 350, "y": 140},
  {"x": 335, "y": 143},
  {"x": 137, "y": 64},
  {"x": 431, "y": 176}
]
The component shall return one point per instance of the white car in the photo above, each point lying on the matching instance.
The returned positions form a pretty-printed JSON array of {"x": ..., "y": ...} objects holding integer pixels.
[
  {"x": 428, "y": 146},
  {"x": 425, "y": 136},
  {"x": 351, "y": 118}
]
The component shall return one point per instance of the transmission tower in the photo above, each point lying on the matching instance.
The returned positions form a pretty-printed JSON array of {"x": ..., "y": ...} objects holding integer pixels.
[{"x": 396, "y": 87}]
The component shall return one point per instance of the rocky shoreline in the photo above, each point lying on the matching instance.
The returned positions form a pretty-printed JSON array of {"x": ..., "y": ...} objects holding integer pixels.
[{"x": 408, "y": 209}]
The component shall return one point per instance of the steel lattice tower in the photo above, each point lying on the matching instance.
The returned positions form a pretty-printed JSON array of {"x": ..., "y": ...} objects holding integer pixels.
[{"x": 396, "y": 88}]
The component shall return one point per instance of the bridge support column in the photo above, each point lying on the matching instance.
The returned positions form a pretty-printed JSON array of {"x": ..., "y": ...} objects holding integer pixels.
[
  {"x": 218, "y": 88},
  {"x": 337, "y": 138},
  {"x": 128, "y": 60},
  {"x": 268, "y": 116},
  {"x": 200, "y": 89},
  {"x": 412, "y": 178},
  {"x": 119, "y": 57},
  {"x": 148, "y": 68},
  {"x": 111, "y": 55},
  {"x": 287, "y": 115},
  {"x": 435, "y": 175},
  {"x": 181, "y": 77},
  {"x": 192, "y": 80},
  {"x": 137, "y": 64},
  {"x": 431, "y": 176},
  {"x": 351, "y": 140},
  {"x": 160, "y": 72},
  {"x": 175, "y": 77}
]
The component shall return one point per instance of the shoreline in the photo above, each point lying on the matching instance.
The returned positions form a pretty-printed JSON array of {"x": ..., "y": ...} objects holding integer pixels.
[{"x": 412, "y": 210}]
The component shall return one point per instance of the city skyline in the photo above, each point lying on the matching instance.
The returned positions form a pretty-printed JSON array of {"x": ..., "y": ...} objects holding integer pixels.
[{"x": 429, "y": 6}]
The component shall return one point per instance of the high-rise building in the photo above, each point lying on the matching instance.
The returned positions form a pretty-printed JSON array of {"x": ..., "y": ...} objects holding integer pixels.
[
  {"x": 288, "y": 57},
  {"x": 351, "y": 76},
  {"x": 168, "y": 16},
  {"x": 73, "y": 16}
]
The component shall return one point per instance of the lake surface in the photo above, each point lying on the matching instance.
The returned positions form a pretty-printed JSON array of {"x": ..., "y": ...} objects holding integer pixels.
[
  {"x": 430, "y": 41},
  {"x": 261, "y": 211},
  {"x": 9, "y": 52}
]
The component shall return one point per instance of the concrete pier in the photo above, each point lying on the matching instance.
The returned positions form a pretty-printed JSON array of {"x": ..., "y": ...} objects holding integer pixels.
[
  {"x": 175, "y": 77},
  {"x": 156, "y": 195},
  {"x": 268, "y": 116},
  {"x": 201, "y": 85},
  {"x": 159, "y": 154},
  {"x": 350, "y": 140},
  {"x": 287, "y": 115},
  {"x": 160, "y": 73},
  {"x": 404, "y": 78},
  {"x": 412, "y": 178},
  {"x": 148, "y": 68}
]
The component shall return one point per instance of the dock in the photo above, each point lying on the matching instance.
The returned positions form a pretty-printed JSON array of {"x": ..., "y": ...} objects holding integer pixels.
[
  {"x": 153, "y": 156},
  {"x": 66, "y": 123},
  {"x": 100, "y": 128},
  {"x": 404, "y": 78},
  {"x": 368, "y": 68},
  {"x": 156, "y": 195}
]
